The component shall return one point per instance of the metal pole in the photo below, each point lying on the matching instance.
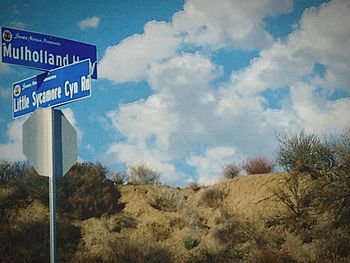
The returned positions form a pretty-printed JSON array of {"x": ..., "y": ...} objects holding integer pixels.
[
  {"x": 52, "y": 189},
  {"x": 52, "y": 200}
]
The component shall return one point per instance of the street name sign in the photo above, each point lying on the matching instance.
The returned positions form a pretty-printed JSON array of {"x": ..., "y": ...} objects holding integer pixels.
[
  {"x": 56, "y": 87},
  {"x": 49, "y": 142},
  {"x": 43, "y": 52}
]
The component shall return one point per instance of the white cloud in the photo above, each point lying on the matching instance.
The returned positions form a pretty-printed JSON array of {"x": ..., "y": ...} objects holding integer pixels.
[
  {"x": 12, "y": 150},
  {"x": 209, "y": 166},
  {"x": 130, "y": 60},
  {"x": 180, "y": 116},
  {"x": 189, "y": 118},
  {"x": 316, "y": 112},
  {"x": 205, "y": 23},
  {"x": 226, "y": 23},
  {"x": 322, "y": 37},
  {"x": 90, "y": 22}
]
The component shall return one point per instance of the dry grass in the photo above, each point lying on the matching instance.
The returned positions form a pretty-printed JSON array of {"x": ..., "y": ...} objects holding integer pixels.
[
  {"x": 180, "y": 221},
  {"x": 246, "y": 196}
]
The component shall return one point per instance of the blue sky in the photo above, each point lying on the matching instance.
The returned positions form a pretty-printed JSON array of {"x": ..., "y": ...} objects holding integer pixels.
[{"x": 189, "y": 86}]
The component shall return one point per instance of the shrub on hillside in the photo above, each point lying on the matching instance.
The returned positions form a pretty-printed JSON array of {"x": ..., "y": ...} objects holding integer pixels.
[
  {"x": 157, "y": 231},
  {"x": 23, "y": 185},
  {"x": 141, "y": 174},
  {"x": 298, "y": 198},
  {"x": 328, "y": 165},
  {"x": 304, "y": 153},
  {"x": 86, "y": 192},
  {"x": 29, "y": 242},
  {"x": 231, "y": 171},
  {"x": 212, "y": 197},
  {"x": 193, "y": 219},
  {"x": 167, "y": 200},
  {"x": 237, "y": 238},
  {"x": 336, "y": 181},
  {"x": 190, "y": 242},
  {"x": 258, "y": 165},
  {"x": 12, "y": 172},
  {"x": 139, "y": 250},
  {"x": 119, "y": 178},
  {"x": 195, "y": 186}
]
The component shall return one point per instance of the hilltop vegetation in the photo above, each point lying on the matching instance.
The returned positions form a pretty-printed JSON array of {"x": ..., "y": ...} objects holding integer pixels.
[{"x": 301, "y": 215}]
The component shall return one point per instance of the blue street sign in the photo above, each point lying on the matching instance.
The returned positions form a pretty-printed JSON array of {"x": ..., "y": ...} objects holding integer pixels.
[
  {"x": 56, "y": 87},
  {"x": 43, "y": 51}
]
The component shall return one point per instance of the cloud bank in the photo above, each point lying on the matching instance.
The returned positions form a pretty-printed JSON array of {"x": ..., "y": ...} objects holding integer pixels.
[{"x": 192, "y": 119}]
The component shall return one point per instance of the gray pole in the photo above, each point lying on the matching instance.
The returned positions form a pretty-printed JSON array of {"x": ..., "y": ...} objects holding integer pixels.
[
  {"x": 52, "y": 200},
  {"x": 50, "y": 144},
  {"x": 52, "y": 190}
]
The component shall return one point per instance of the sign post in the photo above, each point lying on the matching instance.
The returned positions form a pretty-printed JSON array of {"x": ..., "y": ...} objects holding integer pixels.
[
  {"x": 50, "y": 144},
  {"x": 49, "y": 140}
]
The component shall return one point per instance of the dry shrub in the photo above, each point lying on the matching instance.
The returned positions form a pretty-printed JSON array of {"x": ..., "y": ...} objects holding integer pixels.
[
  {"x": 138, "y": 250},
  {"x": 334, "y": 247},
  {"x": 298, "y": 250},
  {"x": 297, "y": 198},
  {"x": 194, "y": 186},
  {"x": 119, "y": 178},
  {"x": 86, "y": 192},
  {"x": 267, "y": 254},
  {"x": 193, "y": 220},
  {"x": 199, "y": 254},
  {"x": 231, "y": 171},
  {"x": 167, "y": 200},
  {"x": 237, "y": 237},
  {"x": 304, "y": 152},
  {"x": 141, "y": 174},
  {"x": 223, "y": 217},
  {"x": 157, "y": 231},
  {"x": 177, "y": 222},
  {"x": 258, "y": 165},
  {"x": 212, "y": 197},
  {"x": 29, "y": 242}
]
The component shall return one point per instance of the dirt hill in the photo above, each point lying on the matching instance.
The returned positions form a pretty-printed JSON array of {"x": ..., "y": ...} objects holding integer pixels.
[{"x": 170, "y": 216}]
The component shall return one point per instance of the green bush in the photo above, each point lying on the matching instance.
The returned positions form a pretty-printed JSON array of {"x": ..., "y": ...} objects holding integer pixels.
[
  {"x": 258, "y": 165},
  {"x": 141, "y": 174},
  {"x": 190, "y": 242}
]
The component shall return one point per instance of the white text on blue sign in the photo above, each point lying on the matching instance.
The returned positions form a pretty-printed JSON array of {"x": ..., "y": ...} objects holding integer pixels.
[{"x": 56, "y": 87}]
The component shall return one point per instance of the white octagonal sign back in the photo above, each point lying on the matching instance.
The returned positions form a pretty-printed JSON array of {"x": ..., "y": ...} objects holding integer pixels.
[{"x": 49, "y": 142}]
